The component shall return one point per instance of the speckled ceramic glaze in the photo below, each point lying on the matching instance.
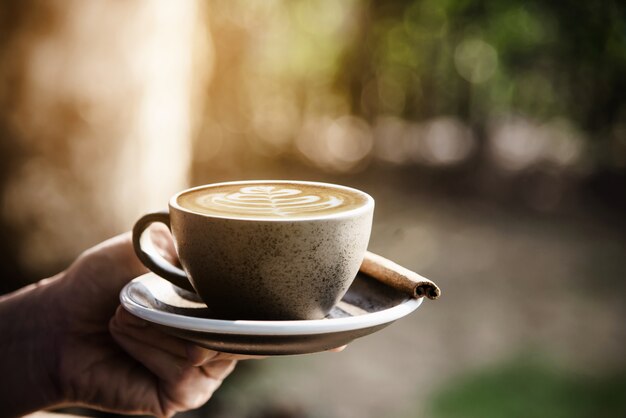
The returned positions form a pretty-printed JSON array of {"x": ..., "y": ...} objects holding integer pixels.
[{"x": 260, "y": 268}]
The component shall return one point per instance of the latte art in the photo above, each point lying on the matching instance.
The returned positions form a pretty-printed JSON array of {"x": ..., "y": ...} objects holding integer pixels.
[{"x": 267, "y": 200}]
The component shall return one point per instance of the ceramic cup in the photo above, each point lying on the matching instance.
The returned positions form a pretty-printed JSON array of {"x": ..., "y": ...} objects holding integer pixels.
[{"x": 263, "y": 250}]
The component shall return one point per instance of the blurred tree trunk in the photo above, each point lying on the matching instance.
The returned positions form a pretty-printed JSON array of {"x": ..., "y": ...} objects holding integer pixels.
[{"x": 97, "y": 107}]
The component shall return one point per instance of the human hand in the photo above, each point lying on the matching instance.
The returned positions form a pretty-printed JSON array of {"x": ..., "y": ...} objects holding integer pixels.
[
  {"x": 96, "y": 354},
  {"x": 154, "y": 373}
]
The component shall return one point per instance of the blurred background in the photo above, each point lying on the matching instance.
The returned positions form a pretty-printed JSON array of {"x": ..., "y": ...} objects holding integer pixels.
[{"x": 492, "y": 135}]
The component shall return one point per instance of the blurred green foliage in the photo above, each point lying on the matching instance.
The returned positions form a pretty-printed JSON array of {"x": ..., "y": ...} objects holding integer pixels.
[
  {"x": 547, "y": 75},
  {"x": 530, "y": 388},
  {"x": 474, "y": 58}
]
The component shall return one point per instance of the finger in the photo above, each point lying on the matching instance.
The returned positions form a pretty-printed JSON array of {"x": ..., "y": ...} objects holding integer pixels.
[
  {"x": 181, "y": 386},
  {"x": 218, "y": 369},
  {"x": 167, "y": 357},
  {"x": 103, "y": 270},
  {"x": 161, "y": 237},
  {"x": 116, "y": 255},
  {"x": 232, "y": 356},
  {"x": 125, "y": 318},
  {"x": 195, "y": 387},
  {"x": 200, "y": 355},
  {"x": 99, "y": 274},
  {"x": 128, "y": 324},
  {"x": 338, "y": 349},
  {"x": 164, "y": 365}
]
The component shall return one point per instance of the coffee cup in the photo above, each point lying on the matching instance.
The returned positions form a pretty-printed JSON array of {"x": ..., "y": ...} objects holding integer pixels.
[{"x": 263, "y": 250}]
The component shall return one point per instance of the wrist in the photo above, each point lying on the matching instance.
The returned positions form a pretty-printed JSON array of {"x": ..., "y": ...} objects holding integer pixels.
[{"x": 31, "y": 330}]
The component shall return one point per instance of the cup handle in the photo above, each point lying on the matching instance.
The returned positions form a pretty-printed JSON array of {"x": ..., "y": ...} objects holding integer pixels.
[{"x": 150, "y": 257}]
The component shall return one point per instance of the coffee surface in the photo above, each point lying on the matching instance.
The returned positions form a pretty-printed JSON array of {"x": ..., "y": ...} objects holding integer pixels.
[{"x": 271, "y": 200}]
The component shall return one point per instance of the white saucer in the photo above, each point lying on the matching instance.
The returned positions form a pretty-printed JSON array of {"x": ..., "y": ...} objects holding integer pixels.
[{"x": 367, "y": 307}]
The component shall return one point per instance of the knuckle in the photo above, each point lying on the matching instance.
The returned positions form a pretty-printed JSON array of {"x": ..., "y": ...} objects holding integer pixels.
[
  {"x": 190, "y": 392},
  {"x": 186, "y": 375}
]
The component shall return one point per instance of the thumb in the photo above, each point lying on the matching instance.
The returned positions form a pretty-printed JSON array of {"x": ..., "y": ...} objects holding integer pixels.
[
  {"x": 98, "y": 275},
  {"x": 115, "y": 258}
]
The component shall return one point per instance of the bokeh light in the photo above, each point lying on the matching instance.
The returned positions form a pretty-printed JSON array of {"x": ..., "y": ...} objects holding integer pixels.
[
  {"x": 476, "y": 61},
  {"x": 517, "y": 143},
  {"x": 492, "y": 135}
]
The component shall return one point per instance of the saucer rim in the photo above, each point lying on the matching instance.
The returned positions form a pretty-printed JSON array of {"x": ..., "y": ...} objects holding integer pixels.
[{"x": 250, "y": 327}]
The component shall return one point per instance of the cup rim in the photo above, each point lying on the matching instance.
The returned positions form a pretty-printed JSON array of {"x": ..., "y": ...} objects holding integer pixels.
[{"x": 367, "y": 206}]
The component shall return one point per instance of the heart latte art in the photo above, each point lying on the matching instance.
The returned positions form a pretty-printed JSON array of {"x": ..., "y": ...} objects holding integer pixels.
[{"x": 271, "y": 200}]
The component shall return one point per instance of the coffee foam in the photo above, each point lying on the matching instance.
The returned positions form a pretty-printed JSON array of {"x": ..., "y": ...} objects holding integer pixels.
[{"x": 271, "y": 200}]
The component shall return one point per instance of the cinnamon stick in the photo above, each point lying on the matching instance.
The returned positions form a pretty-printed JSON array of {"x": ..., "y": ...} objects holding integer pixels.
[{"x": 398, "y": 277}]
